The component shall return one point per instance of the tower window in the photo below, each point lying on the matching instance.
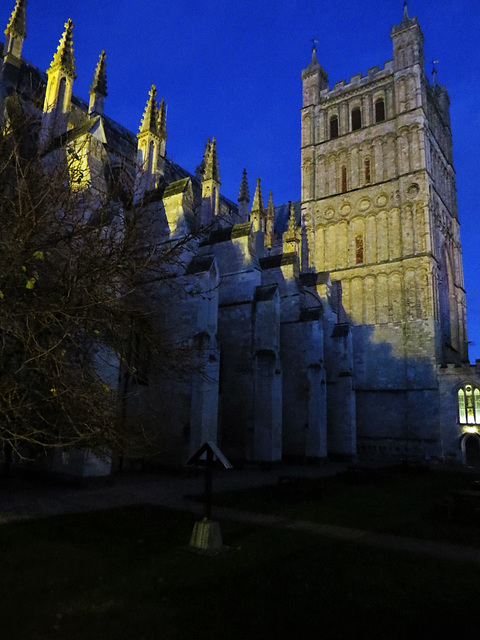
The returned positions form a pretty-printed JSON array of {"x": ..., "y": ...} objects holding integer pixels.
[
  {"x": 356, "y": 119},
  {"x": 469, "y": 405},
  {"x": 359, "y": 249},
  {"x": 379, "y": 110},
  {"x": 333, "y": 127},
  {"x": 344, "y": 179},
  {"x": 368, "y": 177}
]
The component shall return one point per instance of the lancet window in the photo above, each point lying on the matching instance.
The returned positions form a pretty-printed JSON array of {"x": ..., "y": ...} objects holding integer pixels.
[{"x": 469, "y": 405}]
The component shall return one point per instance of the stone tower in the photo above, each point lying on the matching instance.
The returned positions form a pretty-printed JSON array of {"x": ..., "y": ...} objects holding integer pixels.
[{"x": 379, "y": 213}]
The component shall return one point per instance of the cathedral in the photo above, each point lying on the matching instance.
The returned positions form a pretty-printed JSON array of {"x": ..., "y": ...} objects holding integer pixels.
[{"x": 332, "y": 326}]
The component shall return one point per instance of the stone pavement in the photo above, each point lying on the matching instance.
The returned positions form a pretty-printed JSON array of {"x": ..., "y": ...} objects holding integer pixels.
[{"x": 24, "y": 500}]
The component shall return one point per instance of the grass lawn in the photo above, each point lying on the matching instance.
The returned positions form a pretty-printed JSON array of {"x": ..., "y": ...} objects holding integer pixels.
[
  {"x": 399, "y": 500},
  {"x": 125, "y": 574}
]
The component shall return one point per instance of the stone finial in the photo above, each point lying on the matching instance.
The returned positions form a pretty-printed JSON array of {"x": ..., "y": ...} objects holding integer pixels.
[
  {"x": 98, "y": 90},
  {"x": 211, "y": 162},
  {"x": 63, "y": 58},
  {"x": 17, "y": 25},
  {"x": 315, "y": 69},
  {"x": 162, "y": 120},
  {"x": 269, "y": 221},
  {"x": 292, "y": 223},
  {"x": 257, "y": 213},
  {"x": 291, "y": 238},
  {"x": 201, "y": 167},
  {"x": 243, "y": 194},
  {"x": 405, "y": 17},
  {"x": 150, "y": 115},
  {"x": 99, "y": 83},
  {"x": 257, "y": 204}
]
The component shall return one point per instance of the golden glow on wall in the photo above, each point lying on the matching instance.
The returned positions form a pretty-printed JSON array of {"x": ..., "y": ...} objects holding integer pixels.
[{"x": 470, "y": 429}]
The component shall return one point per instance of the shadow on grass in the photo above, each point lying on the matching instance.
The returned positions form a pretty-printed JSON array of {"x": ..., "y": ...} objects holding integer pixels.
[
  {"x": 399, "y": 500},
  {"x": 126, "y": 574}
]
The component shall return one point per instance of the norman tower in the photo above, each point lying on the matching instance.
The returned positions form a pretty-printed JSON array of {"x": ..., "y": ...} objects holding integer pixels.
[{"x": 380, "y": 215}]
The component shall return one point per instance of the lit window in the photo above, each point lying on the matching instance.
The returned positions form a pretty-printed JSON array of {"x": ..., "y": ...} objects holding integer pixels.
[
  {"x": 379, "y": 110},
  {"x": 356, "y": 119},
  {"x": 333, "y": 127},
  {"x": 469, "y": 405}
]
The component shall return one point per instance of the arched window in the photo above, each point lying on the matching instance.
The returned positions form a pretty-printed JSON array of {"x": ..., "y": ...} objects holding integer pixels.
[
  {"x": 368, "y": 177},
  {"x": 344, "y": 179},
  {"x": 469, "y": 405},
  {"x": 356, "y": 119},
  {"x": 379, "y": 110},
  {"x": 333, "y": 127},
  {"x": 359, "y": 249}
]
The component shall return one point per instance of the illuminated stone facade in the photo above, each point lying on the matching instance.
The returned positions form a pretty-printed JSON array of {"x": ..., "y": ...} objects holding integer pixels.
[
  {"x": 380, "y": 215},
  {"x": 334, "y": 325}
]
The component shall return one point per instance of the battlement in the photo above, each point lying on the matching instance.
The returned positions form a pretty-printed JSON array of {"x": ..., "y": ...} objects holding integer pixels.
[{"x": 358, "y": 80}]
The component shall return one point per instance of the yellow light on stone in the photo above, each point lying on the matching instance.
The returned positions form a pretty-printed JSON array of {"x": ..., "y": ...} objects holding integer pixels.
[{"x": 470, "y": 429}]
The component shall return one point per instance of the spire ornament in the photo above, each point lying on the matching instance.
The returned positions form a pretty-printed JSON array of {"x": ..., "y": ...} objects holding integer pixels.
[
  {"x": 99, "y": 83},
  {"x": 199, "y": 171},
  {"x": 149, "y": 122},
  {"x": 211, "y": 162},
  {"x": 292, "y": 224},
  {"x": 291, "y": 240},
  {"x": 243, "y": 194},
  {"x": 17, "y": 25},
  {"x": 63, "y": 58},
  {"x": 98, "y": 90},
  {"x": 257, "y": 214},
  {"x": 269, "y": 221},
  {"x": 162, "y": 120},
  {"x": 257, "y": 204},
  {"x": 15, "y": 34}
]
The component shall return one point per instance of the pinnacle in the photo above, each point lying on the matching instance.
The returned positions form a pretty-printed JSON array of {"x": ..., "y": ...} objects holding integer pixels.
[
  {"x": 211, "y": 162},
  {"x": 17, "y": 25},
  {"x": 243, "y": 194},
  {"x": 292, "y": 224},
  {"x": 270, "y": 207},
  {"x": 99, "y": 84},
  {"x": 406, "y": 20},
  {"x": 257, "y": 204},
  {"x": 162, "y": 120},
  {"x": 150, "y": 115},
  {"x": 63, "y": 58}
]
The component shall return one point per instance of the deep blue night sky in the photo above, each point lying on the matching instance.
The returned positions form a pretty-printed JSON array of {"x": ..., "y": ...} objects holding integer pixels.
[{"x": 232, "y": 70}]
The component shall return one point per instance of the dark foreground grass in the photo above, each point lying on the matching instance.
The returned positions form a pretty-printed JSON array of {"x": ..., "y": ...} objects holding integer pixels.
[
  {"x": 399, "y": 500},
  {"x": 125, "y": 574}
]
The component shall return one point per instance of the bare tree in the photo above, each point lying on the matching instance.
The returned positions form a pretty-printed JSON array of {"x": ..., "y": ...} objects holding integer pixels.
[{"x": 77, "y": 272}]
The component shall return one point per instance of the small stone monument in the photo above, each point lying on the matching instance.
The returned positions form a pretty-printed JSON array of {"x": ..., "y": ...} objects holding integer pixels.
[{"x": 206, "y": 535}]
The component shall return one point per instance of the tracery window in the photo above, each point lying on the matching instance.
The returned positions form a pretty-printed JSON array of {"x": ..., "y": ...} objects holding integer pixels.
[
  {"x": 379, "y": 110},
  {"x": 334, "y": 127},
  {"x": 469, "y": 405},
  {"x": 356, "y": 119}
]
